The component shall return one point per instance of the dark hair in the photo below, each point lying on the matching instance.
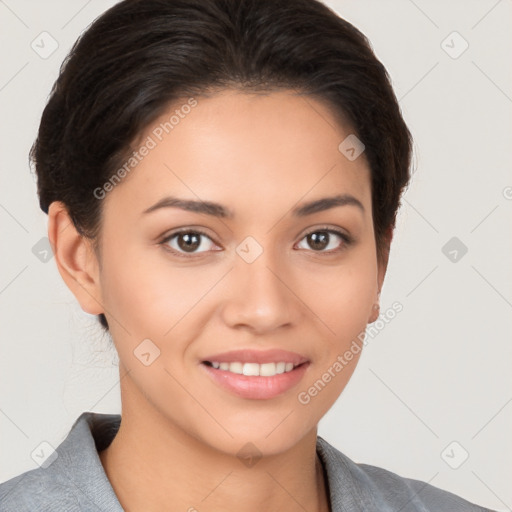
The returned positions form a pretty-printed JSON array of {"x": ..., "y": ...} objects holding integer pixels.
[{"x": 142, "y": 55}]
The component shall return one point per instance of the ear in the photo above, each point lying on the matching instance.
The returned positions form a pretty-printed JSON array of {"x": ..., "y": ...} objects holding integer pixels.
[
  {"x": 75, "y": 257},
  {"x": 382, "y": 267}
]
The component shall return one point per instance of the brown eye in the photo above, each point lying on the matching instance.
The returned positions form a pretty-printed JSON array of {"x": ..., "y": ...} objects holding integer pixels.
[
  {"x": 319, "y": 240},
  {"x": 326, "y": 240},
  {"x": 187, "y": 242}
]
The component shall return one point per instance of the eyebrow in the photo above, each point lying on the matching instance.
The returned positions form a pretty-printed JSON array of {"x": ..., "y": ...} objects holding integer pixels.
[{"x": 217, "y": 210}]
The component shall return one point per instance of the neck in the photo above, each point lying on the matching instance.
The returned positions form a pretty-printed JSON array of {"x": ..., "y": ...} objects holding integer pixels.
[{"x": 155, "y": 465}]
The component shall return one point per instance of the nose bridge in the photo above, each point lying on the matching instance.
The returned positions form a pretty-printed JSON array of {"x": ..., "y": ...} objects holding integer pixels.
[{"x": 258, "y": 295}]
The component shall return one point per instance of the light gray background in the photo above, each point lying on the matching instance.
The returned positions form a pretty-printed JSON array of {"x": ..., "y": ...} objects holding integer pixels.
[{"x": 438, "y": 373}]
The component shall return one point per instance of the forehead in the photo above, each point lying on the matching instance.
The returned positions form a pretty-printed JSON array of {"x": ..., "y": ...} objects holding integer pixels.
[{"x": 248, "y": 151}]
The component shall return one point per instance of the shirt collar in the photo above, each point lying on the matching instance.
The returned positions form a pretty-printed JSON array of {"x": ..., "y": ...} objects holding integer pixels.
[
  {"x": 93, "y": 432},
  {"x": 79, "y": 462}
]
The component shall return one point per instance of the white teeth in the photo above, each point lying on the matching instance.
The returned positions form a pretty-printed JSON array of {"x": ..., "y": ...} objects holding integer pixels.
[
  {"x": 236, "y": 367},
  {"x": 251, "y": 369},
  {"x": 268, "y": 369},
  {"x": 254, "y": 369}
]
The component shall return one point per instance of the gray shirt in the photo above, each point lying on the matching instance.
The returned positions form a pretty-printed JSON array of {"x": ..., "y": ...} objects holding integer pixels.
[{"x": 73, "y": 480}]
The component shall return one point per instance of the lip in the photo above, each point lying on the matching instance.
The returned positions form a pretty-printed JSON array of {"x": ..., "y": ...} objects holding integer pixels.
[
  {"x": 258, "y": 356},
  {"x": 256, "y": 387}
]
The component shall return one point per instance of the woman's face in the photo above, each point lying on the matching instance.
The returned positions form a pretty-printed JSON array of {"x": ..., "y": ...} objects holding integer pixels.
[{"x": 259, "y": 272}]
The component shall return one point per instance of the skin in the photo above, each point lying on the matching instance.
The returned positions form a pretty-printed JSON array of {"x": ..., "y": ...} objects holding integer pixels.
[{"x": 260, "y": 156}]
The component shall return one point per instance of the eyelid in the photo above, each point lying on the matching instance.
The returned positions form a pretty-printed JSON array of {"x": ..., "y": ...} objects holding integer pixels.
[
  {"x": 165, "y": 239},
  {"x": 347, "y": 239},
  {"x": 332, "y": 229},
  {"x": 186, "y": 229}
]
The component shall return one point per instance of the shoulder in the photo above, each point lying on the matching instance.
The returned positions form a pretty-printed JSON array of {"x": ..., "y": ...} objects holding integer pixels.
[
  {"x": 357, "y": 487},
  {"x": 38, "y": 489},
  {"x": 71, "y": 478}
]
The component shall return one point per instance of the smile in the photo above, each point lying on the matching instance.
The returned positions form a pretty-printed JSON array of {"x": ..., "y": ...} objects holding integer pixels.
[
  {"x": 253, "y": 369},
  {"x": 255, "y": 381}
]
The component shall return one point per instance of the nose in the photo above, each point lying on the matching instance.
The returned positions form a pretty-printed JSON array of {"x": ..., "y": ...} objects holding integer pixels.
[{"x": 260, "y": 296}]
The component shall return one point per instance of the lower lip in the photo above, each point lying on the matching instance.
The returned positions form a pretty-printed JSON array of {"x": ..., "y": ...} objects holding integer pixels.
[{"x": 256, "y": 387}]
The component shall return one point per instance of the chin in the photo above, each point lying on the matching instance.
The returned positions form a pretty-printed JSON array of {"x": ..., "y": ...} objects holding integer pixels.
[{"x": 253, "y": 440}]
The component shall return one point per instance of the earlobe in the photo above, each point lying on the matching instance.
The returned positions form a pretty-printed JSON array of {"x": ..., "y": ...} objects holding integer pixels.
[
  {"x": 75, "y": 258},
  {"x": 375, "y": 313}
]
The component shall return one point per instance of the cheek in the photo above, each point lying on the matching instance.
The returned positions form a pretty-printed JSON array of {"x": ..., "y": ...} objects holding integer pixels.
[
  {"x": 342, "y": 298},
  {"x": 342, "y": 303},
  {"x": 343, "y": 295},
  {"x": 147, "y": 296}
]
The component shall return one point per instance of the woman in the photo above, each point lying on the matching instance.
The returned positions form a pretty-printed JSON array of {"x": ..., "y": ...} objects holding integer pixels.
[{"x": 222, "y": 180}]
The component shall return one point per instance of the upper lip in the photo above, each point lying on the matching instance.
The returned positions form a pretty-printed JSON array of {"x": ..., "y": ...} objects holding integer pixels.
[{"x": 258, "y": 356}]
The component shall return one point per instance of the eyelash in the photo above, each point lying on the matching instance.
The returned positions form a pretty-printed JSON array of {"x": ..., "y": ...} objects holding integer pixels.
[{"x": 347, "y": 240}]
